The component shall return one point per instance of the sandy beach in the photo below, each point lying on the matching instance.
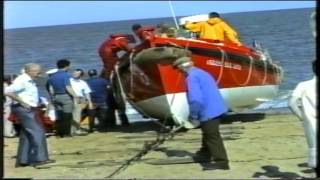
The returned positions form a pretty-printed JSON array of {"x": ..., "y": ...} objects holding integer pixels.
[{"x": 259, "y": 146}]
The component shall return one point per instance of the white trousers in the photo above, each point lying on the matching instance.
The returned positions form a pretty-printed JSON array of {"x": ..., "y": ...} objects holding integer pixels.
[{"x": 310, "y": 129}]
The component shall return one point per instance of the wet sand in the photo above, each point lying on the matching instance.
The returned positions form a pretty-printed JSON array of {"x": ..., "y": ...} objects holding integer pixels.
[{"x": 258, "y": 146}]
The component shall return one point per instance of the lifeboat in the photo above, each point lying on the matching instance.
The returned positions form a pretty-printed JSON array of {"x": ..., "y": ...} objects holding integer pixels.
[{"x": 246, "y": 76}]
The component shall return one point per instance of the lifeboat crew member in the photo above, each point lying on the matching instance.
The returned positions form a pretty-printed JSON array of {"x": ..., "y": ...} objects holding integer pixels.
[
  {"x": 145, "y": 34},
  {"x": 214, "y": 28},
  {"x": 109, "y": 49},
  {"x": 164, "y": 30},
  {"x": 108, "y": 53}
]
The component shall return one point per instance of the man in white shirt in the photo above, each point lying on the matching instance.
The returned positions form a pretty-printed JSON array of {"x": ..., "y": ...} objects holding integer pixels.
[
  {"x": 303, "y": 103},
  {"x": 8, "y": 126},
  {"x": 32, "y": 148},
  {"x": 82, "y": 91}
]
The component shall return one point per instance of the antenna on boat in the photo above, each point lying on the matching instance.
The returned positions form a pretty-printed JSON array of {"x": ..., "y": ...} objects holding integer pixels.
[{"x": 173, "y": 14}]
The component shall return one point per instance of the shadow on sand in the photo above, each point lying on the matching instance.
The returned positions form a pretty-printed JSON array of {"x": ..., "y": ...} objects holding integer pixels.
[
  {"x": 274, "y": 172},
  {"x": 175, "y": 153},
  {"x": 243, "y": 117},
  {"x": 142, "y": 126},
  {"x": 136, "y": 127}
]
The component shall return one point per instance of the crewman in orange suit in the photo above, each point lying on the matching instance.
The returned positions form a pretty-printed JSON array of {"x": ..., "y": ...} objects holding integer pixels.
[
  {"x": 111, "y": 47},
  {"x": 214, "y": 28},
  {"x": 108, "y": 52},
  {"x": 145, "y": 34}
]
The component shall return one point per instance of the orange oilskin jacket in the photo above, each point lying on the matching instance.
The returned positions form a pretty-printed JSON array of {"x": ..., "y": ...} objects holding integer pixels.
[
  {"x": 215, "y": 29},
  {"x": 109, "y": 49}
]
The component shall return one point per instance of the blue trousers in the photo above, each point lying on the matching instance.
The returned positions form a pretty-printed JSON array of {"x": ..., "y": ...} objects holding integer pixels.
[{"x": 32, "y": 143}]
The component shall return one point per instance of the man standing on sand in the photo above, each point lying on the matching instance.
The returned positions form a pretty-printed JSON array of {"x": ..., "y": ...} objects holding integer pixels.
[
  {"x": 62, "y": 96},
  {"x": 207, "y": 107},
  {"x": 303, "y": 103},
  {"x": 305, "y": 95},
  {"x": 108, "y": 52},
  {"x": 24, "y": 92},
  {"x": 8, "y": 127},
  {"x": 82, "y": 91},
  {"x": 99, "y": 97}
]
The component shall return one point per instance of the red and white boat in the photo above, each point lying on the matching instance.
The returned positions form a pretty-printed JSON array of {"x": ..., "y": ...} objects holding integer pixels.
[{"x": 246, "y": 77}]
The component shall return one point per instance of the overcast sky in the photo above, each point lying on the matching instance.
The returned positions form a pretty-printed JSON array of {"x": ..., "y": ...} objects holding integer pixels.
[{"x": 43, "y": 13}]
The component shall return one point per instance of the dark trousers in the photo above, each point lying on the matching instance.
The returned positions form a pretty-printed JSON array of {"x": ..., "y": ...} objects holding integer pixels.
[
  {"x": 100, "y": 112},
  {"x": 212, "y": 141},
  {"x": 64, "y": 106},
  {"x": 317, "y": 169},
  {"x": 63, "y": 124},
  {"x": 32, "y": 143},
  {"x": 112, "y": 107}
]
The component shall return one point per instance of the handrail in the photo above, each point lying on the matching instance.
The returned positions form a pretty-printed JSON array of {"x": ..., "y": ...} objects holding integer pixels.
[
  {"x": 250, "y": 72},
  {"x": 265, "y": 73},
  {"x": 223, "y": 55},
  {"x": 131, "y": 72}
]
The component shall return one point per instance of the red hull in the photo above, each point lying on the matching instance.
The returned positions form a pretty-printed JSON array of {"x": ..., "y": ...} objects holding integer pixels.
[{"x": 231, "y": 66}]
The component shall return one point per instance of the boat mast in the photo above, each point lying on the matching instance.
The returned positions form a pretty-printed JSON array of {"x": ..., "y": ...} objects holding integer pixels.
[{"x": 173, "y": 14}]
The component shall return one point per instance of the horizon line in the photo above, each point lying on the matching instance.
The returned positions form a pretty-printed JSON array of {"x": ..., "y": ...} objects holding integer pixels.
[{"x": 42, "y": 26}]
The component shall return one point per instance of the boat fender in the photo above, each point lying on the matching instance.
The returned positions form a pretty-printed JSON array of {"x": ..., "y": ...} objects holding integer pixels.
[{"x": 159, "y": 54}]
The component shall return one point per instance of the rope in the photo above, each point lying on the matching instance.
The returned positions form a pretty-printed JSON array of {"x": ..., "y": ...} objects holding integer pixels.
[
  {"x": 131, "y": 72},
  {"x": 160, "y": 139},
  {"x": 116, "y": 69},
  {"x": 146, "y": 148},
  {"x": 265, "y": 72},
  {"x": 123, "y": 95},
  {"x": 250, "y": 71}
]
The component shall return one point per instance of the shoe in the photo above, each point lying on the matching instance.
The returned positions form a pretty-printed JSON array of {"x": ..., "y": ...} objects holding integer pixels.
[
  {"x": 49, "y": 161},
  {"x": 9, "y": 136},
  {"x": 217, "y": 165},
  {"x": 22, "y": 165},
  {"x": 80, "y": 133},
  {"x": 202, "y": 153},
  {"x": 201, "y": 158},
  {"x": 125, "y": 125}
]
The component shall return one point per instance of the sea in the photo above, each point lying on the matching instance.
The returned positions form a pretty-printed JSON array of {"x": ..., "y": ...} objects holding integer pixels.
[{"x": 286, "y": 34}]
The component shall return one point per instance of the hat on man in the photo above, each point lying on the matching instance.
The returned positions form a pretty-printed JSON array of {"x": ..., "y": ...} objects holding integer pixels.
[
  {"x": 92, "y": 72},
  {"x": 181, "y": 61}
]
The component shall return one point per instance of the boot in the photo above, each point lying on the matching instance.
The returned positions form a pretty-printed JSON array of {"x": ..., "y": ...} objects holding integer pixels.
[{"x": 124, "y": 119}]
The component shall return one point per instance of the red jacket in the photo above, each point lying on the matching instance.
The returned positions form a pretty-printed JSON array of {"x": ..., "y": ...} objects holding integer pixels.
[
  {"x": 109, "y": 49},
  {"x": 114, "y": 44},
  {"x": 146, "y": 33}
]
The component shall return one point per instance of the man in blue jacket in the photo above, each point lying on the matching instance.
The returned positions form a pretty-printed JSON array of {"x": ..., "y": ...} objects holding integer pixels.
[
  {"x": 99, "y": 96},
  {"x": 63, "y": 97},
  {"x": 207, "y": 106}
]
